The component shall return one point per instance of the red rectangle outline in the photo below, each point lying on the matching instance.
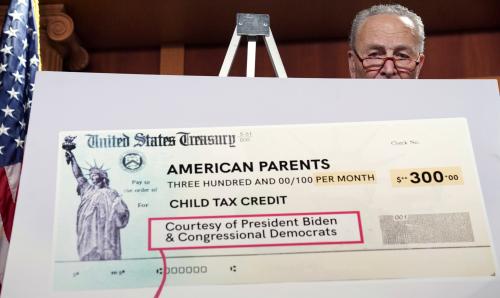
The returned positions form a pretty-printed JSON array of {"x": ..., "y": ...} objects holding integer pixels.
[{"x": 361, "y": 241}]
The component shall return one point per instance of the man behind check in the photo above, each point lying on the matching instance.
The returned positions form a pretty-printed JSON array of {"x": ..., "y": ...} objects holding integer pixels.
[{"x": 386, "y": 42}]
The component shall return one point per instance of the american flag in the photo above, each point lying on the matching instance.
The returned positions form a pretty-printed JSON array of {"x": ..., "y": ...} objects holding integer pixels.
[{"x": 19, "y": 61}]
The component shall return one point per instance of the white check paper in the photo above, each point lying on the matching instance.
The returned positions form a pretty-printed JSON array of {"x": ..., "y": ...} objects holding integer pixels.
[{"x": 261, "y": 204}]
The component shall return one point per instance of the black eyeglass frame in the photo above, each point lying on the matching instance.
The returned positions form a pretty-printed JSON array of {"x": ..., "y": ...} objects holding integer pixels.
[{"x": 394, "y": 59}]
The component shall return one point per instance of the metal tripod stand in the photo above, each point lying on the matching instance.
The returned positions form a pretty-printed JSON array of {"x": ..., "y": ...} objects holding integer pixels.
[{"x": 252, "y": 26}]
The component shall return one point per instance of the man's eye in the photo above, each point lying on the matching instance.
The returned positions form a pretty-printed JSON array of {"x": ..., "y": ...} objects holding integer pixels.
[
  {"x": 403, "y": 56},
  {"x": 373, "y": 55}
]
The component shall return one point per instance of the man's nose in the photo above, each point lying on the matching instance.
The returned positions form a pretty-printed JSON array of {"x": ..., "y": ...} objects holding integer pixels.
[{"x": 388, "y": 69}]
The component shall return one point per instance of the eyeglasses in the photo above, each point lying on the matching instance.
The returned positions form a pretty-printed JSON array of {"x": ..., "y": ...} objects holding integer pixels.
[{"x": 376, "y": 63}]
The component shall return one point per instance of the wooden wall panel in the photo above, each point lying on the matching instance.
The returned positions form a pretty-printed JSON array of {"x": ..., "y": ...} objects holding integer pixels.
[
  {"x": 462, "y": 55},
  {"x": 206, "y": 61},
  {"x": 113, "y": 24},
  {"x": 315, "y": 59},
  {"x": 172, "y": 59},
  {"x": 466, "y": 55},
  {"x": 129, "y": 61}
]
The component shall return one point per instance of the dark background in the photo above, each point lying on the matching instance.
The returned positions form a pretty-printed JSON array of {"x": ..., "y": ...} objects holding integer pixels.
[{"x": 191, "y": 37}]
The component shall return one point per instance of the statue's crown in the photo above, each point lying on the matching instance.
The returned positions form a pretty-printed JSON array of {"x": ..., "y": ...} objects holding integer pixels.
[{"x": 99, "y": 170}]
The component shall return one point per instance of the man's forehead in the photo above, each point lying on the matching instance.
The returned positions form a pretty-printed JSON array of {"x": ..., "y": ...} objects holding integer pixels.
[
  {"x": 384, "y": 47},
  {"x": 389, "y": 30},
  {"x": 388, "y": 22}
]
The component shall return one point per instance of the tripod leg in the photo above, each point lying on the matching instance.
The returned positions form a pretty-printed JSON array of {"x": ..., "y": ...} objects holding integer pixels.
[
  {"x": 231, "y": 52},
  {"x": 251, "y": 53},
  {"x": 272, "y": 50}
]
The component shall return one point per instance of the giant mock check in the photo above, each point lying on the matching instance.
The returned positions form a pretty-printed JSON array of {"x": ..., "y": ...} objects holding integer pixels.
[{"x": 260, "y": 204}]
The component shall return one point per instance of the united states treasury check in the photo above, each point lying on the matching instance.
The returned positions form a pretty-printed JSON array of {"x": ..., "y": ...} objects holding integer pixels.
[{"x": 260, "y": 204}]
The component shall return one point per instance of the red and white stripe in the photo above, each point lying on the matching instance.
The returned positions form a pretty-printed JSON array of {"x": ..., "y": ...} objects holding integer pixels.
[{"x": 9, "y": 182}]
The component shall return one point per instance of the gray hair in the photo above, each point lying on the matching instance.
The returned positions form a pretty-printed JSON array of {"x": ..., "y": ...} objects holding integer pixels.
[{"x": 394, "y": 9}]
